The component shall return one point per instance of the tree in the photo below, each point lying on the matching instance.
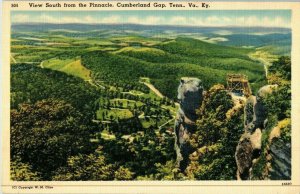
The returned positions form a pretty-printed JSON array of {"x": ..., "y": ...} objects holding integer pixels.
[
  {"x": 219, "y": 128},
  {"x": 123, "y": 174},
  {"x": 46, "y": 133},
  {"x": 281, "y": 68},
  {"x": 212, "y": 114},
  {"x": 90, "y": 167},
  {"x": 20, "y": 171}
]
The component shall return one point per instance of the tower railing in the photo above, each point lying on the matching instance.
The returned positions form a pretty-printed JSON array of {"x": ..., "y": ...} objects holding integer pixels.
[{"x": 238, "y": 83}]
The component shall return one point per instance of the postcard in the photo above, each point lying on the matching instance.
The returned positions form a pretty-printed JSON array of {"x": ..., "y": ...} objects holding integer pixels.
[{"x": 150, "y": 97}]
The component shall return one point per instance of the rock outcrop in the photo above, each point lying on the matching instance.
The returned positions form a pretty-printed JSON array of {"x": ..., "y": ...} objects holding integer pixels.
[
  {"x": 279, "y": 153},
  {"x": 250, "y": 145},
  {"x": 190, "y": 97},
  {"x": 255, "y": 113},
  {"x": 249, "y": 148},
  {"x": 280, "y": 160}
]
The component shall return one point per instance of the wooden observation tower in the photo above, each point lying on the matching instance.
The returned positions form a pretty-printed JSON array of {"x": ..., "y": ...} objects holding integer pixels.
[{"x": 238, "y": 83}]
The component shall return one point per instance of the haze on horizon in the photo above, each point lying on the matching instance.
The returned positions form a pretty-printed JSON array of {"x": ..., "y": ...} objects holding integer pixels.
[{"x": 211, "y": 18}]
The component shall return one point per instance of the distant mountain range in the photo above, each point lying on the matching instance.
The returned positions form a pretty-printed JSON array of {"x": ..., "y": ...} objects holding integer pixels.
[{"x": 279, "y": 38}]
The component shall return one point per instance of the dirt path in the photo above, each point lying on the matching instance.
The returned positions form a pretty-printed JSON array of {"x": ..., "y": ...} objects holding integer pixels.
[
  {"x": 30, "y": 62},
  {"x": 41, "y": 65},
  {"x": 97, "y": 85},
  {"x": 156, "y": 91},
  {"x": 13, "y": 59},
  {"x": 26, "y": 62},
  {"x": 265, "y": 63},
  {"x": 167, "y": 122},
  {"x": 262, "y": 58}
]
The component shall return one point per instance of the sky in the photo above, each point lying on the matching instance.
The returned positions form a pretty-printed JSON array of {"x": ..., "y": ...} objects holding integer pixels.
[{"x": 265, "y": 18}]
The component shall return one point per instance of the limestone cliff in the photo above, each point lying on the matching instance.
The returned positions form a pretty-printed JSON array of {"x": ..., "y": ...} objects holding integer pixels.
[
  {"x": 190, "y": 97},
  {"x": 260, "y": 153},
  {"x": 262, "y": 146}
]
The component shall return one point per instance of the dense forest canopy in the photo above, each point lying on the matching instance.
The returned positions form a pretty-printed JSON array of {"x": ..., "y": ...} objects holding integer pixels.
[
  {"x": 100, "y": 104},
  {"x": 172, "y": 60}
]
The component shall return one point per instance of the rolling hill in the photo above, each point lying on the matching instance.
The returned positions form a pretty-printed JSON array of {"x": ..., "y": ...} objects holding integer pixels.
[{"x": 165, "y": 63}]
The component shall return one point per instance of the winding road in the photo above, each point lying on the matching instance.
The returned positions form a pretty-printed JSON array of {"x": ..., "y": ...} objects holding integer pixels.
[
  {"x": 156, "y": 91},
  {"x": 167, "y": 122},
  {"x": 262, "y": 60}
]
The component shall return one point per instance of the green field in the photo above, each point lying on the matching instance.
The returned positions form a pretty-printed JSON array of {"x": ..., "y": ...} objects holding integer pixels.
[
  {"x": 114, "y": 114},
  {"x": 69, "y": 66},
  {"x": 125, "y": 103}
]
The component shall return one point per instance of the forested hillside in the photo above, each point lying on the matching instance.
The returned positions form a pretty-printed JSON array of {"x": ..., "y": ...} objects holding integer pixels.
[
  {"x": 91, "y": 103},
  {"x": 58, "y": 110},
  {"x": 172, "y": 60},
  {"x": 275, "y": 160}
]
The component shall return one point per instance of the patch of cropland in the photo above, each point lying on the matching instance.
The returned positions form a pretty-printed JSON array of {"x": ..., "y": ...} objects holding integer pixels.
[
  {"x": 69, "y": 66},
  {"x": 166, "y": 62}
]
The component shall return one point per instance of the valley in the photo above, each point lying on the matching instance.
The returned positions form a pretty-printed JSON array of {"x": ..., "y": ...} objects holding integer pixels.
[{"x": 120, "y": 85}]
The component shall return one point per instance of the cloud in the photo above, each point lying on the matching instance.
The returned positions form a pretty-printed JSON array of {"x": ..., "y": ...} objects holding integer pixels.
[
  {"x": 153, "y": 20},
  {"x": 21, "y": 18},
  {"x": 214, "y": 20},
  {"x": 134, "y": 19},
  {"x": 47, "y": 19},
  {"x": 218, "y": 39},
  {"x": 89, "y": 19},
  {"x": 179, "y": 20},
  {"x": 109, "y": 19}
]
